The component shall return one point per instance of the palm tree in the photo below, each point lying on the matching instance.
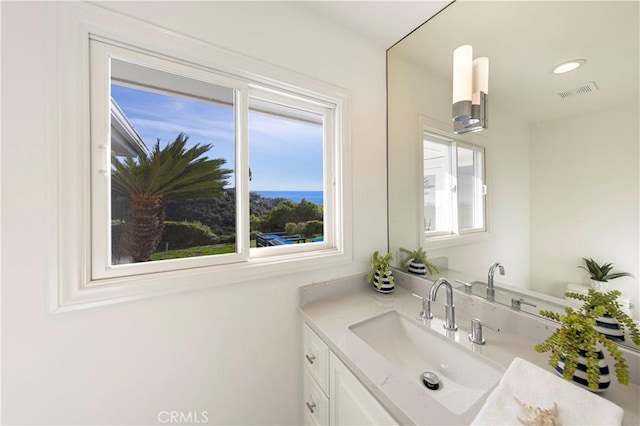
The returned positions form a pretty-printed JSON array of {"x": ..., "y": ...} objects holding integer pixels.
[{"x": 170, "y": 173}]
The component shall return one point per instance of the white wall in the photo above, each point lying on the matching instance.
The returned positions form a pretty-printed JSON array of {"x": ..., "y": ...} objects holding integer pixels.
[
  {"x": 584, "y": 198},
  {"x": 413, "y": 92},
  {"x": 232, "y": 351}
]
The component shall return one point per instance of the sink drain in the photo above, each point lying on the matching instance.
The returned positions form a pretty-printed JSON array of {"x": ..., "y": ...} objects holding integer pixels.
[{"x": 430, "y": 380}]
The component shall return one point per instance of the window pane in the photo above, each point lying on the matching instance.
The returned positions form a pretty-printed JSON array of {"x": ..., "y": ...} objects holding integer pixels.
[
  {"x": 172, "y": 166},
  {"x": 470, "y": 189},
  {"x": 437, "y": 187},
  {"x": 286, "y": 164}
]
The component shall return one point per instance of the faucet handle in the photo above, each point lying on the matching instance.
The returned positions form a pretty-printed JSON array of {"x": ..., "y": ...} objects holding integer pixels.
[
  {"x": 425, "y": 313},
  {"x": 516, "y": 303},
  {"x": 467, "y": 286},
  {"x": 476, "y": 331}
]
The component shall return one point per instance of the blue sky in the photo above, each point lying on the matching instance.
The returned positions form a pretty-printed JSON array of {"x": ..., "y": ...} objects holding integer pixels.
[{"x": 284, "y": 155}]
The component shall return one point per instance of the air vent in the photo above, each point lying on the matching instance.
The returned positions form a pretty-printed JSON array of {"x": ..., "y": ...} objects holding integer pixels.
[{"x": 582, "y": 90}]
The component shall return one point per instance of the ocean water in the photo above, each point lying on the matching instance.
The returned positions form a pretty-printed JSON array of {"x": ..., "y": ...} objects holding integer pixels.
[{"x": 295, "y": 196}]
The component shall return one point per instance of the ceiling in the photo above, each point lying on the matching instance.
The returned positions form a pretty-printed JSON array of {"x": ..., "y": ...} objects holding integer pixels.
[
  {"x": 384, "y": 22},
  {"x": 525, "y": 40}
]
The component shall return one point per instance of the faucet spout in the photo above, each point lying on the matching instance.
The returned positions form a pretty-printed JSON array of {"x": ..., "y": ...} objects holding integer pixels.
[
  {"x": 491, "y": 292},
  {"x": 450, "y": 319}
]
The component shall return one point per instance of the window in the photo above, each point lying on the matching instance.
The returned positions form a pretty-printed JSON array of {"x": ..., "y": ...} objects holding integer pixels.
[
  {"x": 192, "y": 167},
  {"x": 287, "y": 167},
  {"x": 454, "y": 187},
  {"x": 231, "y": 136},
  {"x": 174, "y": 170}
]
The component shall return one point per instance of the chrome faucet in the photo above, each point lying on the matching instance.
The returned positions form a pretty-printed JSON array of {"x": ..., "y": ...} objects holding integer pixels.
[
  {"x": 450, "y": 319},
  {"x": 491, "y": 293}
]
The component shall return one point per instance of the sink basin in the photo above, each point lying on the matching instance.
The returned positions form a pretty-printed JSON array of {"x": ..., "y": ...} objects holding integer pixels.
[{"x": 414, "y": 349}]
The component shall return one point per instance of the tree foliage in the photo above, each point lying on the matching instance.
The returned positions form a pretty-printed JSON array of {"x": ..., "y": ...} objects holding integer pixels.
[
  {"x": 267, "y": 214},
  {"x": 150, "y": 181},
  {"x": 289, "y": 212}
]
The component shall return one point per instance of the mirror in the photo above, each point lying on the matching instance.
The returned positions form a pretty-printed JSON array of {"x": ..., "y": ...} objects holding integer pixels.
[{"x": 562, "y": 150}]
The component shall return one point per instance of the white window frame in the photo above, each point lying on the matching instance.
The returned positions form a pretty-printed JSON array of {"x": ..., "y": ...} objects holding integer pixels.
[
  {"x": 72, "y": 285},
  {"x": 435, "y": 239},
  {"x": 329, "y": 150},
  {"x": 101, "y": 52}
]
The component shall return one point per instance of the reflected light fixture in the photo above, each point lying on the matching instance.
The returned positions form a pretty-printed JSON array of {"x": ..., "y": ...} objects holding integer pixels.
[
  {"x": 569, "y": 66},
  {"x": 470, "y": 91}
]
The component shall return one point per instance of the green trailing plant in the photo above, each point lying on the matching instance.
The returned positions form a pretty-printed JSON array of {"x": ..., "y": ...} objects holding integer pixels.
[
  {"x": 418, "y": 256},
  {"x": 608, "y": 301},
  {"x": 577, "y": 332},
  {"x": 601, "y": 272},
  {"x": 381, "y": 263}
]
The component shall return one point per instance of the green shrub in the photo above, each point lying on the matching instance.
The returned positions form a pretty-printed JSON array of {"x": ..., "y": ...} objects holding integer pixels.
[
  {"x": 289, "y": 212},
  {"x": 294, "y": 228},
  {"x": 306, "y": 229},
  {"x": 227, "y": 239},
  {"x": 313, "y": 227},
  {"x": 181, "y": 235}
]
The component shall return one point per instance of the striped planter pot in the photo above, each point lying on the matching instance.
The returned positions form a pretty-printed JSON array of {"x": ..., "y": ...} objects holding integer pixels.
[
  {"x": 580, "y": 376},
  {"x": 417, "y": 268},
  {"x": 610, "y": 327},
  {"x": 384, "y": 283}
]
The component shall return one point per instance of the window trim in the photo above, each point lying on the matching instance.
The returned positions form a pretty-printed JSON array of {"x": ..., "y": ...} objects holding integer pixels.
[
  {"x": 71, "y": 286},
  {"x": 327, "y": 111},
  {"x": 441, "y": 131},
  {"x": 102, "y": 268},
  {"x": 475, "y": 148}
]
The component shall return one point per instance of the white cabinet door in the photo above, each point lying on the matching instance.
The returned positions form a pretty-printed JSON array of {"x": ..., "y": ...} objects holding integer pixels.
[
  {"x": 316, "y": 403},
  {"x": 350, "y": 403},
  {"x": 316, "y": 357}
]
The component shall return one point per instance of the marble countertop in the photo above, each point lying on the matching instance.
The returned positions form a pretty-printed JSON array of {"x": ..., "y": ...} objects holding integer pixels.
[{"x": 330, "y": 308}]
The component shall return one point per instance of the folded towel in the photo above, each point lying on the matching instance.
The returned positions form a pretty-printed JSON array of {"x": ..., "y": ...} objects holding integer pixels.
[{"x": 540, "y": 388}]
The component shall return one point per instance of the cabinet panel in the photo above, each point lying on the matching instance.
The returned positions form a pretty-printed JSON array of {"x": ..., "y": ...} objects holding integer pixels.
[
  {"x": 350, "y": 402},
  {"x": 316, "y": 403},
  {"x": 316, "y": 357}
]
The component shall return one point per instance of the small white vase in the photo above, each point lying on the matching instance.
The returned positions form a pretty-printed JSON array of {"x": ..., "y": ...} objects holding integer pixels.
[{"x": 600, "y": 286}]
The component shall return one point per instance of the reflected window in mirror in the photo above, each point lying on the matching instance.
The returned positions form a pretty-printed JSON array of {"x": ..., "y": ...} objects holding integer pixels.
[{"x": 454, "y": 187}]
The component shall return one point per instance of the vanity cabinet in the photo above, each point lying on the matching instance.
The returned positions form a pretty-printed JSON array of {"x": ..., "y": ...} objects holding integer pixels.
[
  {"x": 315, "y": 379},
  {"x": 350, "y": 402},
  {"x": 332, "y": 395}
]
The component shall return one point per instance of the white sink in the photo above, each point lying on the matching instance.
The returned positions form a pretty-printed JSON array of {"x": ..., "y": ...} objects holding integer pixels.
[{"x": 415, "y": 349}]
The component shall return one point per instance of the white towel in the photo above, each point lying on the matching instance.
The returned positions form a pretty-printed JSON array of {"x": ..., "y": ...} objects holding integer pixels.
[{"x": 540, "y": 388}]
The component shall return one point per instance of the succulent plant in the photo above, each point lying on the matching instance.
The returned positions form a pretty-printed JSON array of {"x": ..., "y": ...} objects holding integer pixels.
[{"x": 601, "y": 272}]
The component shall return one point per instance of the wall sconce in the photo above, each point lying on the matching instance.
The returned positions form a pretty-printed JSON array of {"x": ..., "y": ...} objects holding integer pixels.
[{"x": 470, "y": 91}]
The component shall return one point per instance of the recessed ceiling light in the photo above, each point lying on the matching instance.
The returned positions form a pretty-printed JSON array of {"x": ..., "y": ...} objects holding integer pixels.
[{"x": 569, "y": 66}]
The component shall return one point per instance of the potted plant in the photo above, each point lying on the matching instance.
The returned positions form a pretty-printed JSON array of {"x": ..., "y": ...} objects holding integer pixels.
[
  {"x": 601, "y": 274},
  {"x": 381, "y": 274},
  {"x": 417, "y": 262},
  {"x": 575, "y": 347}
]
